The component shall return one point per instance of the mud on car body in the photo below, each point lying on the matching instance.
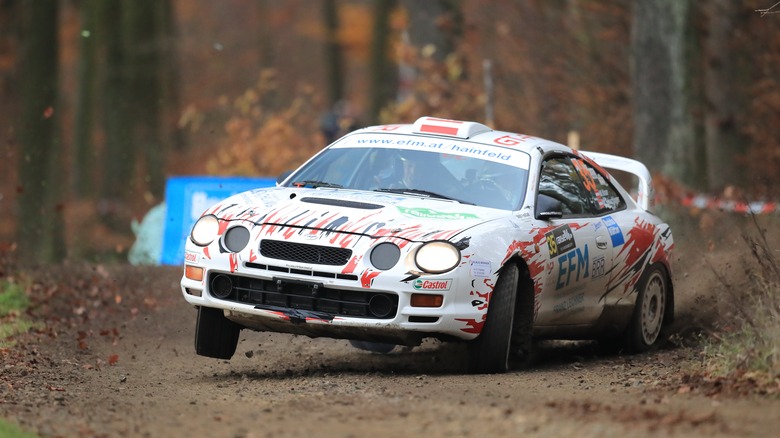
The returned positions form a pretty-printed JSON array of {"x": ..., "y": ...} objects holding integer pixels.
[{"x": 444, "y": 229}]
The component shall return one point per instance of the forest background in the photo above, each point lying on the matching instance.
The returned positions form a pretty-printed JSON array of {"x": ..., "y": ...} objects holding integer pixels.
[{"x": 102, "y": 100}]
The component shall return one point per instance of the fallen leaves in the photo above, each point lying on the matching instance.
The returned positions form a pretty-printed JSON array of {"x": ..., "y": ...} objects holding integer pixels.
[
  {"x": 736, "y": 384},
  {"x": 113, "y": 359},
  {"x": 81, "y": 339},
  {"x": 632, "y": 414}
]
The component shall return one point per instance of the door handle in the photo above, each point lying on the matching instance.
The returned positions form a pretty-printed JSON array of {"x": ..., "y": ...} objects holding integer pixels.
[{"x": 601, "y": 242}]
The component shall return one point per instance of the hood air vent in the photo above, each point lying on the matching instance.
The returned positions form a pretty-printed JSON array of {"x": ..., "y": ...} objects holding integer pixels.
[{"x": 342, "y": 203}]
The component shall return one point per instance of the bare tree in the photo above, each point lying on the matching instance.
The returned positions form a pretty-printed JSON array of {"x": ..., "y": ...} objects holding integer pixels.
[
  {"x": 40, "y": 173},
  {"x": 769, "y": 10},
  {"x": 723, "y": 100},
  {"x": 435, "y": 26},
  {"x": 383, "y": 78},
  {"x": 665, "y": 131},
  {"x": 333, "y": 50},
  {"x": 84, "y": 148}
]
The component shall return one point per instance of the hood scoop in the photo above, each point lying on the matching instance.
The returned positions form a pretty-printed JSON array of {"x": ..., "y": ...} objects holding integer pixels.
[{"x": 342, "y": 203}]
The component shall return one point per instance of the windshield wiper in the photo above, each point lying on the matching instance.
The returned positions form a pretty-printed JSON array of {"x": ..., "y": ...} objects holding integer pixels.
[
  {"x": 312, "y": 184},
  {"x": 424, "y": 193}
]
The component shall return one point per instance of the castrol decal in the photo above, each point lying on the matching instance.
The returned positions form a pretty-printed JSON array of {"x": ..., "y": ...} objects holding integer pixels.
[
  {"x": 421, "y": 284},
  {"x": 191, "y": 257}
]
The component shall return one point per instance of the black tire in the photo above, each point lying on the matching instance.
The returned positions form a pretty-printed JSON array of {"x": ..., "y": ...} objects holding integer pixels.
[
  {"x": 647, "y": 322},
  {"x": 521, "y": 350},
  {"x": 374, "y": 347},
  {"x": 490, "y": 352},
  {"x": 215, "y": 335}
]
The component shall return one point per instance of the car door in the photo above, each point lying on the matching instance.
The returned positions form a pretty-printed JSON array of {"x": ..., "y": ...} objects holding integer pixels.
[{"x": 577, "y": 245}]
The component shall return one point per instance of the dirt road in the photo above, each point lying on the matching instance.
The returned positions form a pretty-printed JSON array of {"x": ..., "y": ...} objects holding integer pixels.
[{"x": 119, "y": 361}]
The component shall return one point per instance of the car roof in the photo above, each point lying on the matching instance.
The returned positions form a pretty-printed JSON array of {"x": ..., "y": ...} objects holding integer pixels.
[{"x": 468, "y": 131}]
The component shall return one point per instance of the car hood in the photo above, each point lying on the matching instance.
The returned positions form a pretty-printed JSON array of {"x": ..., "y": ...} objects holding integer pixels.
[{"x": 375, "y": 214}]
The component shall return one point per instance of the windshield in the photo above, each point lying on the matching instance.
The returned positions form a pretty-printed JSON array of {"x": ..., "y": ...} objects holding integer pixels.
[{"x": 466, "y": 179}]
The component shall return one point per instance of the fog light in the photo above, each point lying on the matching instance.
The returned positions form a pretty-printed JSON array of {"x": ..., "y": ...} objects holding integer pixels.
[
  {"x": 193, "y": 272},
  {"x": 221, "y": 286},
  {"x": 380, "y": 306},
  {"x": 427, "y": 300},
  {"x": 385, "y": 255},
  {"x": 236, "y": 238}
]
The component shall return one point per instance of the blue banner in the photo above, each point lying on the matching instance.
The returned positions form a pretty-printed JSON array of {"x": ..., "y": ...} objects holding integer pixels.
[{"x": 187, "y": 197}]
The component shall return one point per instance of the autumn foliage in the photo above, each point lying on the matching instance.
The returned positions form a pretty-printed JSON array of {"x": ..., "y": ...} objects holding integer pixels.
[
  {"x": 259, "y": 141},
  {"x": 251, "y": 90}
]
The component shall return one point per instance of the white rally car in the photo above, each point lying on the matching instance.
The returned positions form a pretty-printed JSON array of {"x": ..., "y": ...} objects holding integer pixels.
[{"x": 443, "y": 229}]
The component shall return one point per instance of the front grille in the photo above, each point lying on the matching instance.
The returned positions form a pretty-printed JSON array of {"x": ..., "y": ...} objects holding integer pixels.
[
  {"x": 303, "y": 253},
  {"x": 291, "y": 297}
]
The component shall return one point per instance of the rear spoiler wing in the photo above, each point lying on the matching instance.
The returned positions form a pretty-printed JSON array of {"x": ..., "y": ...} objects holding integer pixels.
[{"x": 644, "y": 189}]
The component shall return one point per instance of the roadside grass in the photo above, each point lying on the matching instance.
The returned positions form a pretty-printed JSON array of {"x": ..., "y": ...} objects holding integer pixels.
[
  {"x": 10, "y": 430},
  {"x": 746, "y": 343},
  {"x": 13, "y": 304}
]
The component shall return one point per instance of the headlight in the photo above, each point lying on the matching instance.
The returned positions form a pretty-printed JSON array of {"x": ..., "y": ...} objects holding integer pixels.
[
  {"x": 205, "y": 230},
  {"x": 236, "y": 238},
  {"x": 437, "y": 257}
]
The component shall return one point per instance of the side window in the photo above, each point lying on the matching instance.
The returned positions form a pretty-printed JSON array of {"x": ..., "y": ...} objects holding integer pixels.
[
  {"x": 561, "y": 181},
  {"x": 603, "y": 198}
]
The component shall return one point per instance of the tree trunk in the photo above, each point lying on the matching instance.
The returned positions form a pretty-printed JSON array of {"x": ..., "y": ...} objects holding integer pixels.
[
  {"x": 118, "y": 158},
  {"x": 333, "y": 50},
  {"x": 171, "y": 99},
  {"x": 84, "y": 148},
  {"x": 435, "y": 26},
  {"x": 144, "y": 90},
  {"x": 38, "y": 216},
  {"x": 722, "y": 97},
  {"x": 664, "y": 127},
  {"x": 383, "y": 76}
]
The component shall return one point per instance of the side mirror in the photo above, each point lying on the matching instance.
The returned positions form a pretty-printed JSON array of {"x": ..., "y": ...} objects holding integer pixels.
[
  {"x": 283, "y": 176},
  {"x": 548, "y": 208}
]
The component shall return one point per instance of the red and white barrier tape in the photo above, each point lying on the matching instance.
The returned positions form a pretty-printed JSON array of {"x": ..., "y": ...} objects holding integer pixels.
[{"x": 704, "y": 202}]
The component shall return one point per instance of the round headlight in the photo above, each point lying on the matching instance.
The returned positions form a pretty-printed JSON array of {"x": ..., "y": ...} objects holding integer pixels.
[
  {"x": 205, "y": 230},
  {"x": 236, "y": 238},
  {"x": 437, "y": 257},
  {"x": 385, "y": 255}
]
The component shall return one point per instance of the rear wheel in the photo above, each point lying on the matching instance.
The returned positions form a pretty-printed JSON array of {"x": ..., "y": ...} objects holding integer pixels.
[
  {"x": 649, "y": 311},
  {"x": 215, "y": 335},
  {"x": 490, "y": 352}
]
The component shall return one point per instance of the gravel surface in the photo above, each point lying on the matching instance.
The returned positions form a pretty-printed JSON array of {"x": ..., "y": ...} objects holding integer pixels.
[{"x": 117, "y": 359}]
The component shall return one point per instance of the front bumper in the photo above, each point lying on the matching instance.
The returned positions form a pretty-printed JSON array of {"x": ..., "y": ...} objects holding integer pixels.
[{"x": 354, "y": 302}]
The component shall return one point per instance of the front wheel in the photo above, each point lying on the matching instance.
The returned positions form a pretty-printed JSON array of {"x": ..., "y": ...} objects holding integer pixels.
[
  {"x": 215, "y": 335},
  {"x": 649, "y": 311},
  {"x": 489, "y": 353}
]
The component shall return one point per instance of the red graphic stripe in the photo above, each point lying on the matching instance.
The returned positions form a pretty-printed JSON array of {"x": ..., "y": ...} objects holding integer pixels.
[
  {"x": 472, "y": 325},
  {"x": 233, "y": 258},
  {"x": 436, "y": 129},
  {"x": 367, "y": 278}
]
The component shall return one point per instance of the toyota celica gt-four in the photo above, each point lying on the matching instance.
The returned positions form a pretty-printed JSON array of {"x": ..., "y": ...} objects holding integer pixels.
[{"x": 442, "y": 228}]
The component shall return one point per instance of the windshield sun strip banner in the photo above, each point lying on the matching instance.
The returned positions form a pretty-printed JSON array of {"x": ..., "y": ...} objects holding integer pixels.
[{"x": 459, "y": 148}]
